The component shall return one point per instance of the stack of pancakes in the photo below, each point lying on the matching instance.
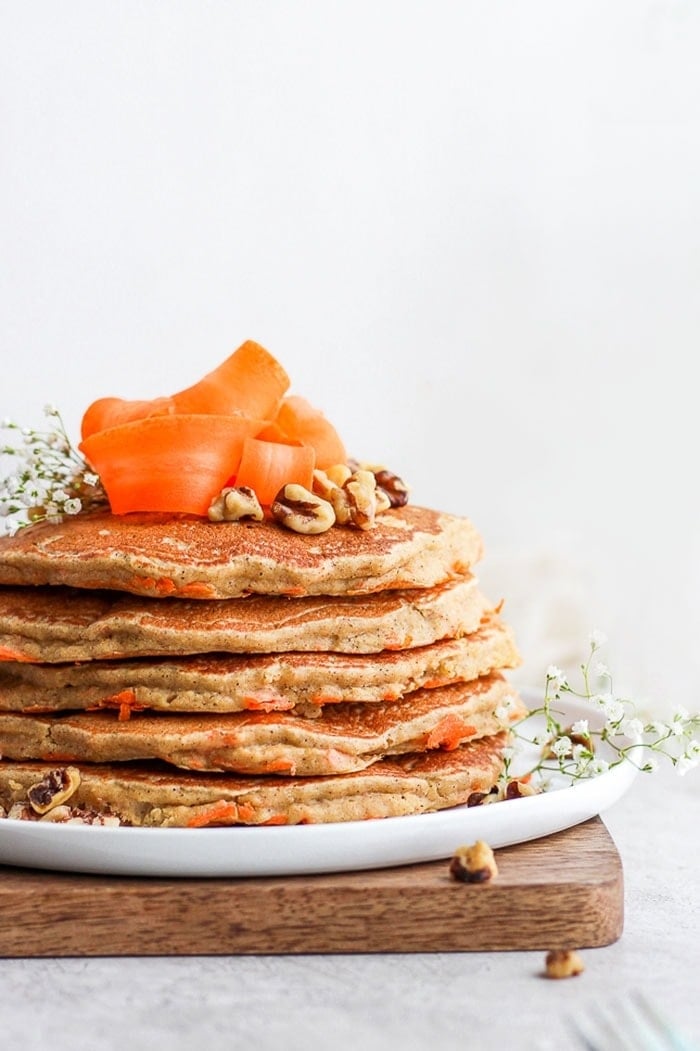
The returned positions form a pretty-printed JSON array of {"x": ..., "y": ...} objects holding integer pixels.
[{"x": 164, "y": 670}]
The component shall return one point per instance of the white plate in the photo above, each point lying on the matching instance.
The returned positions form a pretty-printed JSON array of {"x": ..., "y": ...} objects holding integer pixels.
[{"x": 308, "y": 849}]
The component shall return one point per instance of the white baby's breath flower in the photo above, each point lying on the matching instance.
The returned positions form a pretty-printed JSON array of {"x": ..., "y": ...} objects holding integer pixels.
[
  {"x": 632, "y": 728},
  {"x": 47, "y": 479},
  {"x": 597, "y": 639},
  {"x": 580, "y": 727},
  {"x": 659, "y": 728},
  {"x": 684, "y": 763},
  {"x": 562, "y": 746},
  {"x": 598, "y": 766},
  {"x": 614, "y": 711},
  {"x": 556, "y": 676},
  {"x": 583, "y": 766},
  {"x": 602, "y": 671}
]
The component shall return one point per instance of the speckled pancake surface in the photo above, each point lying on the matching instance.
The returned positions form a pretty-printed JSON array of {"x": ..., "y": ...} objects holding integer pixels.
[
  {"x": 58, "y": 625},
  {"x": 305, "y": 682},
  {"x": 184, "y": 556},
  {"x": 158, "y": 796},
  {"x": 345, "y": 738}
]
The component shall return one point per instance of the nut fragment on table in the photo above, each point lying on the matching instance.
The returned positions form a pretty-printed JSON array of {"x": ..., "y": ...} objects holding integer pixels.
[
  {"x": 474, "y": 863},
  {"x": 301, "y": 511},
  {"x": 563, "y": 963},
  {"x": 235, "y": 504},
  {"x": 54, "y": 788}
]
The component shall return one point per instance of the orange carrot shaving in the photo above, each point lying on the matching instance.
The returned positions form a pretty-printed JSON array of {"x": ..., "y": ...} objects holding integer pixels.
[
  {"x": 301, "y": 422},
  {"x": 251, "y": 381},
  {"x": 168, "y": 463},
  {"x": 267, "y": 466},
  {"x": 111, "y": 412},
  {"x": 235, "y": 426}
]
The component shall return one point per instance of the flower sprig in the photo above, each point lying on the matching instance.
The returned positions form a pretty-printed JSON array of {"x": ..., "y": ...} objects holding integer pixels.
[
  {"x": 571, "y": 751},
  {"x": 49, "y": 478}
]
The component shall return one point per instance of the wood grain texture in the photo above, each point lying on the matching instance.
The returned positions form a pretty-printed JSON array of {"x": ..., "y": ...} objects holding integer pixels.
[{"x": 565, "y": 890}]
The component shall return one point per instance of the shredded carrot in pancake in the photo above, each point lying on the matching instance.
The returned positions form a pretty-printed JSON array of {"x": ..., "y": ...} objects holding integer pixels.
[
  {"x": 433, "y": 684},
  {"x": 6, "y": 654},
  {"x": 267, "y": 701},
  {"x": 217, "y": 813},
  {"x": 125, "y": 701},
  {"x": 280, "y": 766},
  {"x": 449, "y": 733}
]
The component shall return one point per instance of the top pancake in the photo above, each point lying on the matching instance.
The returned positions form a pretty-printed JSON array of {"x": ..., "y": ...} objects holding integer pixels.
[{"x": 188, "y": 557}]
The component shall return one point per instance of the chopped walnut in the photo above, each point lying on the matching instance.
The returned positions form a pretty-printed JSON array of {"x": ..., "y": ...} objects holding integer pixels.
[
  {"x": 474, "y": 864},
  {"x": 235, "y": 504},
  {"x": 494, "y": 795},
  {"x": 323, "y": 485},
  {"x": 395, "y": 488},
  {"x": 54, "y": 788},
  {"x": 67, "y": 815},
  {"x": 301, "y": 511},
  {"x": 563, "y": 963},
  {"x": 356, "y": 503},
  {"x": 518, "y": 789},
  {"x": 22, "y": 812},
  {"x": 338, "y": 474}
]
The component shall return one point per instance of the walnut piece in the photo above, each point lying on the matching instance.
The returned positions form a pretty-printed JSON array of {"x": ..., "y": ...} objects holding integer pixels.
[
  {"x": 395, "y": 488},
  {"x": 474, "y": 864},
  {"x": 338, "y": 474},
  {"x": 518, "y": 789},
  {"x": 54, "y": 788},
  {"x": 356, "y": 503},
  {"x": 235, "y": 504},
  {"x": 563, "y": 963},
  {"x": 301, "y": 511}
]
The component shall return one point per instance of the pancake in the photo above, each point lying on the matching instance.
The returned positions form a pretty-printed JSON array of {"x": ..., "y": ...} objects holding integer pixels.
[
  {"x": 181, "y": 556},
  {"x": 57, "y": 625},
  {"x": 158, "y": 797},
  {"x": 345, "y": 738},
  {"x": 220, "y": 683}
]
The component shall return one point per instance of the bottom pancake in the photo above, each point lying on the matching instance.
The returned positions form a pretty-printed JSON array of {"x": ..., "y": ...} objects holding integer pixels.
[{"x": 159, "y": 797}]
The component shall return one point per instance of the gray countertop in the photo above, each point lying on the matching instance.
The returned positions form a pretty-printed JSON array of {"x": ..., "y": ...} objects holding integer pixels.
[{"x": 444, "y": 1000}]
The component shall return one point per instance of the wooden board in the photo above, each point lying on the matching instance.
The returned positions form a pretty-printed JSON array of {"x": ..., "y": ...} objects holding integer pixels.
[{"x": 565, "y": 890}]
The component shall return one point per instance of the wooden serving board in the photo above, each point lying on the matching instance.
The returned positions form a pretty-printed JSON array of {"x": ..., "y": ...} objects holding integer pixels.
[{"x": 561, "y": 891}]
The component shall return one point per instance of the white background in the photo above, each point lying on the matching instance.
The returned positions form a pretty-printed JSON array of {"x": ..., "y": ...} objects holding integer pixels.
[{"x": 469, "y": 230}]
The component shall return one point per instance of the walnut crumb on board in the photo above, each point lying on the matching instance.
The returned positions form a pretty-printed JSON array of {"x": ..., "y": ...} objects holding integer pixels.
[
  {"x": 474, "y": 864},
  {"x": 563, "y": 963}
]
